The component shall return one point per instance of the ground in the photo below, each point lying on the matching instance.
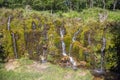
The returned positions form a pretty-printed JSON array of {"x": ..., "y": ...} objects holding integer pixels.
[{"x": 25, "y": 69}]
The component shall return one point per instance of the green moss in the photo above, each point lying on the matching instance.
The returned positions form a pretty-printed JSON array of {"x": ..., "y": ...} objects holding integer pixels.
[{"x": 21, "y": 25}]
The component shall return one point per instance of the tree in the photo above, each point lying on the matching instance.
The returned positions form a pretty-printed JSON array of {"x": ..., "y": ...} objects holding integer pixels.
[
  {"x": 1, "y": 2},
  {"x": 62, "y": 5},
  {"x": 114, "y": 4},
  {"x": 104, "y": 4},
  {"x": 90, "y": 3}
]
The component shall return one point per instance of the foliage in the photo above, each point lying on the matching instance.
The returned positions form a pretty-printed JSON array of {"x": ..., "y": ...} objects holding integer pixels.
[
  {"x": 30, "y": 40},
  {"x": 1, "y": 2},
  {"x": 55, "y": 5}
]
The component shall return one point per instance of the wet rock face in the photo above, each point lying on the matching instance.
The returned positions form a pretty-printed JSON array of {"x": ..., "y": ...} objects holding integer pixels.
[
  {"x": 98, "y": 72},
  {"x": 44, "y": 55},
  {"x": 65, "y": 59},
  {"x": 43, "y": 59},
  {"x": 82, "y": 64},
  {"x": 65, "y": 62},
  {"x": 102, "y": 17},
  {"x": 14, "y": 45},
  {"x": 105, "y": 75},
  {"x": 34, "y": 25},
  {"x": 8, "y": 23},
  {"x": 45, "y": 47}
]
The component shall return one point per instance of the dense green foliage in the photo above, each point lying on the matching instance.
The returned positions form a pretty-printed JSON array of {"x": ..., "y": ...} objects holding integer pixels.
[
  {"x": 30, "y": 39},
  {"x": 64, "y": 5}
]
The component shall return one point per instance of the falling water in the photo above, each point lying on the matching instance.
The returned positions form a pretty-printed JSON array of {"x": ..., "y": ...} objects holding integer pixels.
[
  {"x": 73, "y": 62},
  {"x": 43, "y": 57},
  {"x": 101, "y": 71},
  {"x": 61, "y": 33},
  {"x": 63, "y": 44},
  {"x": 8, "y": 23},
  {"x": 75, "y": 35},
  {"x": 102, "y": 52},
  {"x": 73, "y": 40},
  {"x": 44, "y": 47},
  {"x": 63, "y": 47},
  {"x": 14, "y": 45},
  {"x": 71, "y": 45},
  {"x": 90, "y": 45}
]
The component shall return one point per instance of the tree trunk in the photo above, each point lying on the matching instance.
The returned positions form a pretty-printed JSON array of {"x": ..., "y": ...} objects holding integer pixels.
[
  {"x": 114, "y": 4},
  {"x": 91, "y": 3},
  {"x": 70, "y": 6},
  {"x": 103, "y": 4}
]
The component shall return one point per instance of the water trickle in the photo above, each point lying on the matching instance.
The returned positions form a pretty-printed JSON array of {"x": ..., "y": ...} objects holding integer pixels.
[
  {"x": 71, "y": 45},
  {"x": 14, "y": 45},
  {"x": 8, "y": 23},
  {"x": 72, "y": 61},
  {"x": 101, "y": 71},
  {"x": 102, "y": 52},
  {"x": 63, "y": 44},
  {"x": 61, "y": 33},
  {"x": 73, "y": 40},
  {"x": 103, "y": 17},
  {"x": 75, "y": 35},
  {"x": 43, "y": 57},
  {"x": 45, "y": 46},
  {"x": 92, "y": 53}
]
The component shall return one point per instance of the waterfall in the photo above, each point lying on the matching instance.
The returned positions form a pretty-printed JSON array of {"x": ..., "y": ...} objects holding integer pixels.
[
  {"x": 61, "y": 33},
  {"x": 44, "y": 55},
  {"x": 14, "y": 45},
  {"x": 63, "y": 47},
  {"x": 73, "y": 40},
  {"x": 75, "y": 35},
  {"x": 103, "y": 52},
  {"x": 8, "y": 23},
  {"x": 44, "y": 46},
  {"x": 71, "y": 45},
  {"x": 101, "y": 71},
  {"x": 73, "y": 62},
  {"x": 63, "y": 44},
  {"x": 92, "y": 52}
]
